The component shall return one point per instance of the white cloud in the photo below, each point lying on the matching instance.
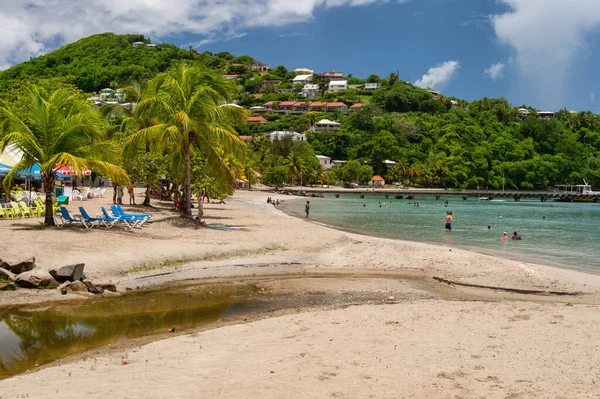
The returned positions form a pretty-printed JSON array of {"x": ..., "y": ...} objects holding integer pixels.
[
  {"x": 495, "y": 71},
  {"x": 547, "y": 36},
  {"x": 592, "y": 96},
  {"x": 30, "y": 28},
  {"x": 439, "y": 75}
]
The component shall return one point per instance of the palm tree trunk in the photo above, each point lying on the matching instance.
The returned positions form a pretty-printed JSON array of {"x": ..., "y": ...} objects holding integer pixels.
[
  {"x": 200, "y": 205},
  {"x": 49, "y": 188},
  {"x": 148, "y": 186},
  {"x": 186, "y": 205}
]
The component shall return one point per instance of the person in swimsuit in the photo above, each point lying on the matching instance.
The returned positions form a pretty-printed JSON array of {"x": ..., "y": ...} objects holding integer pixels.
[
  {"x": 448, "y": 220},
  {"x": 307, "y": 208}
]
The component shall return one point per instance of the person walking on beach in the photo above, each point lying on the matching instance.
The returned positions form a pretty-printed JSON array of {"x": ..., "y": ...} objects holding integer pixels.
[
  {"x": 307, "y": 209},
  {"x": 114, "y": 193},
  {"x": 119, "y": 194},
  {"x": 448, "y": 220},
  {"x": 131, "y": 194}
]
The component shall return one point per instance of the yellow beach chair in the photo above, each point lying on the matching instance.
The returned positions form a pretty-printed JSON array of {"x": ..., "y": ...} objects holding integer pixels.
[
  {"x": 6, "y": 213},
  {"x": 29, "y": 211},
  {"x": 17, "y": 210}
]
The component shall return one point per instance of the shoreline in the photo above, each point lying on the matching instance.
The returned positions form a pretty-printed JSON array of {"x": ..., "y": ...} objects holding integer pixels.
[
  {"x": 463, "y": 341},
  {"x": 487, "y": 251}
]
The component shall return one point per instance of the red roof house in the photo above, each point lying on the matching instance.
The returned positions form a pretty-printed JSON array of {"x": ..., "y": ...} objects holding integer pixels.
[{"x": 256, "y": 119}]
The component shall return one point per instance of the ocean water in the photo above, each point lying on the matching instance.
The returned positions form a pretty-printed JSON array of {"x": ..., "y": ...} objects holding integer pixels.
[{"x": 568, "y": 238}]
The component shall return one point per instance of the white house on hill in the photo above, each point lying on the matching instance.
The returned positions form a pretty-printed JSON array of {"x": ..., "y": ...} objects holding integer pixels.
[
  {"x": 325, "y": 125},
  {"x": 280, "y": 135},
  {"x": 302, "y": 79},
  {"x": 336, "y": 86}
]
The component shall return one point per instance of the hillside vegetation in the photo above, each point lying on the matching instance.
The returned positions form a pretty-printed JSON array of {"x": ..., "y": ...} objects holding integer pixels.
[{"x": 436, "y": 141}]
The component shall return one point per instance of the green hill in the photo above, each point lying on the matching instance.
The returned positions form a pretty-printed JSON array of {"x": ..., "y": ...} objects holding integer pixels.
[{"x": 102, "y": 60}]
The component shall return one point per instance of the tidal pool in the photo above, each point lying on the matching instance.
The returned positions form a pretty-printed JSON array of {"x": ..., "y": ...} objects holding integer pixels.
[{"x": 32, "y": 335}]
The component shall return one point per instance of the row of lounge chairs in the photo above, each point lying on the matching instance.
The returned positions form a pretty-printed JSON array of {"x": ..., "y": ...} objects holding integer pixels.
[
  {"x": 107, "y": 220},
  {"x": 21, "y": 210}
]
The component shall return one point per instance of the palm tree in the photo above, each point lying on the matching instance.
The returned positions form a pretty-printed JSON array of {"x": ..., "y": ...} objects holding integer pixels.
[
  {"x": 294, "y": 165},
  {"x": 54, "y": 128},
  {"x": 187, "y": 102},
  {"x": 131, "y": 122}
]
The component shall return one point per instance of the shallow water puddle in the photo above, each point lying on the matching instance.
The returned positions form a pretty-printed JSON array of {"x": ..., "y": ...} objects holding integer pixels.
[{"x": 31, "y": 336}]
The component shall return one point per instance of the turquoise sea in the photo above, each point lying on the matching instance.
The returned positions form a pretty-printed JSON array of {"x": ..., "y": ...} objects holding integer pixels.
[{"x": 569, "y": 237}]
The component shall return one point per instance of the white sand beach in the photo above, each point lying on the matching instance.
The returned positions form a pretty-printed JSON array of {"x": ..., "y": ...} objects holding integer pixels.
[{"x": 438, "y": 340}]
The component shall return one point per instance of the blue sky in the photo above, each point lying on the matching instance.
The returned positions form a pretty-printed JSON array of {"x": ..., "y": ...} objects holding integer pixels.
[
  {"x": 411, "y": 38},
  {"x": 538, "y": 52}
]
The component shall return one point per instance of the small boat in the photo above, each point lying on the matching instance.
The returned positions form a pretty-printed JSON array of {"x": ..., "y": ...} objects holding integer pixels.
[
  {"x": 576, "y": 192},
  {"x": 484, "y": 198}
]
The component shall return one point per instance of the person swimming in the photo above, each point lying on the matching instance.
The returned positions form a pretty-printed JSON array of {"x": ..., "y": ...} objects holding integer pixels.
[
  {"x": 516, "y": 236},
  {"x": 504, "y": 236}
]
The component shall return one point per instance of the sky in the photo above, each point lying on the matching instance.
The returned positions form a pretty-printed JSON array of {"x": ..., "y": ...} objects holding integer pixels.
[{"x": 541, "y": 53}]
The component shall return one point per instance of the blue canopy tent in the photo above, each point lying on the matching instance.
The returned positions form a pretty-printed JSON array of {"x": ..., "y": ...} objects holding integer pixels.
[{"x": 4, "y": 169}]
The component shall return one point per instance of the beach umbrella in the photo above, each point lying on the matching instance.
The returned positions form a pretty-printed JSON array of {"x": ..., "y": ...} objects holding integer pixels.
[
  {"x": 31, "y": 173},
  {"x": 4, "y": 169}
]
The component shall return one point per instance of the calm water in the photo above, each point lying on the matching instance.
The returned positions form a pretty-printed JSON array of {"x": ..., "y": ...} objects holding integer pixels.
[{"x": 569, "y": 237}]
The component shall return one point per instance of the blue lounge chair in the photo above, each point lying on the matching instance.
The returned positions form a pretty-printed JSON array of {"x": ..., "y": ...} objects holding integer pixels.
[
  {"x": 140, "y": 219},
  {"x": 122, "y": 212},
  {"x": 91, "y": 222},
  {"x": 124, "y": 219},
  {"x": 66, "y": 219}
]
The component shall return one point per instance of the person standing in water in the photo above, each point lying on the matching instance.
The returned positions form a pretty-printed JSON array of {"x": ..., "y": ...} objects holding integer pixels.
[
  {"x": 307, "y": 209},
  {"x": 448, "y": 220}
]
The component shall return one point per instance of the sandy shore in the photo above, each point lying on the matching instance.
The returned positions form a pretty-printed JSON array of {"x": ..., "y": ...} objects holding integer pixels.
[{"x": 505, "y": 345}]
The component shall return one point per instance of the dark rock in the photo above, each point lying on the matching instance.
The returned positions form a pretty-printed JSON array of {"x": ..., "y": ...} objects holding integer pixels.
[
  {"x": 22, "y": 267},
  {"x": 7, "y": 275},
  {"x": 36, "y": 278},
  {"x": 90, "y": 286},
  {"x": 7, "y": 287},
  {"x": 64, "y": 287},
  {"x": 4, "y": 264},
  {"x": 109, "y": 286},
  {"x": 68, "y": 273},
  {"x": 78, "y": 286}
]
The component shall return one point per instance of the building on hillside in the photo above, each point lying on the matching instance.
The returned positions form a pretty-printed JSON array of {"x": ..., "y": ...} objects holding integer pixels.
[
  {"x": 260, "y": 67},
  {"x": 336, "y": 106},
  {"x": 377, "y": 181},
  {"x": 337, "y": 86},
  {"x": 280, "y": 135},
  {"x": 337, "y": 162},
  {"x": 356, "y": 107},
  {"x": 108, "y": 94},
  {"x": 389, "y": 163},
  {"x": 324, "y": 161},
  {"x": 231, "y": 77},
  {"x": 545, "y": 115},
  {"x": 245, "y": 139},
  {"x": 260, "y": 110},
  {"x": 310, "y": 91},
  {"x": 151, "y": 45},
  {"x": 302, "y": 79},
  {"x": 286, "y": 91},
  {"x": 316, "y": 106},
  {"x": 333, "y": 75},
  {"x": 372, "y": 86},
  {"x": 325, "y": 125},
  {"x": 138, "y": 44},
  {"x": 305, "y": 71},
  {"x": 267, "y": 85},
  {"x": 256, "y": 119},
  {"x": 434, "y": 94}
]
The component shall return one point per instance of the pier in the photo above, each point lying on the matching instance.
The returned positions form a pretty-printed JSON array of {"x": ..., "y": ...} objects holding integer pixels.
[{"x": 411, "y": 194}]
